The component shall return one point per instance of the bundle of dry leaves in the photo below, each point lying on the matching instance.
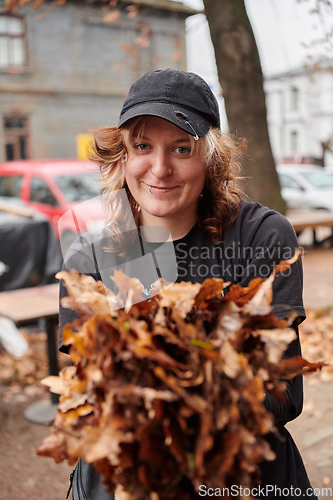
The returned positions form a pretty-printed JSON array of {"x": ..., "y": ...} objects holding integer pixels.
[{"x": 168, "y": 394}]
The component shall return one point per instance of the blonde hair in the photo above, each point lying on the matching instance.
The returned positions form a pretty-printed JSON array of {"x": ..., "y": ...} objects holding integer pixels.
[{"x": 219, "y": 204}]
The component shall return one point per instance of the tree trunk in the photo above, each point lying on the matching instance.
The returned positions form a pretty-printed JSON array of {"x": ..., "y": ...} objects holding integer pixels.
[{"x": 241, "y": 79}]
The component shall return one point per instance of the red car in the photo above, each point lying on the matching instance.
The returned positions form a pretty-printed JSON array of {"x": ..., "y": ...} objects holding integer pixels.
[{"x": 54, "y": 188}]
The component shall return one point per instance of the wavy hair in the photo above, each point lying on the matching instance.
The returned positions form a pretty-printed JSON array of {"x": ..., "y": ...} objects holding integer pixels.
[{"x": 218, "y": 206}]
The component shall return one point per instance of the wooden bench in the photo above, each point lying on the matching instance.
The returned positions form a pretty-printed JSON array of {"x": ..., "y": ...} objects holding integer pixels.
[
  {"x": 313, "y": 220},
  {"x": 31, "y": 304},
  {"x": 16, "y": 209}
]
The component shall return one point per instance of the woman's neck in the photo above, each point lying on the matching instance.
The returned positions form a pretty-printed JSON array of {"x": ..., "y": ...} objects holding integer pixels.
[{"x": 162, "y": 229}]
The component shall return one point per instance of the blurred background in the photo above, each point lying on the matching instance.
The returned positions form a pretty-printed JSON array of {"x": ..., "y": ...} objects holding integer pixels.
[{"x": 65, "y": 69}]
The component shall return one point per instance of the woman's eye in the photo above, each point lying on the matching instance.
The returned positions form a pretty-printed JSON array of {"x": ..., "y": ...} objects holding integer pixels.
[
  {"x": 142, "y": 147},
  {"x": 182, "y": 150}
]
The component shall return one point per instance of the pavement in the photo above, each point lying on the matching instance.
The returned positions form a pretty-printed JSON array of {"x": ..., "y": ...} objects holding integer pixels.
[
  {"x": 313, "y": 429},
  {"x": 318, "y": 277}
]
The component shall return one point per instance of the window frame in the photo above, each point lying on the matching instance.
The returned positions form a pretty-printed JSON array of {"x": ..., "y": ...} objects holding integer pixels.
[
  {"x": 11, "y": 68},
  {"x": 294, "y": 98},
  {"x": 34, "y": 180},
  {"x": 15, "y": 178},
  {"x": 12, "y": 136},
  {"x": 294, "y": 138},
  {"x": 287, "y": 181}
]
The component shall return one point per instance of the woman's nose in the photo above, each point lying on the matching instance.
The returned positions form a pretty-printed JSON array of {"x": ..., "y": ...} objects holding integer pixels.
[{"x": 160, "y": 164}]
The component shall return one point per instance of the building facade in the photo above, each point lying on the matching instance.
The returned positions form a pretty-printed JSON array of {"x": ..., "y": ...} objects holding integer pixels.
[
  {"x": 66, "y": 69},
  {"x": 300, "y": 114}
]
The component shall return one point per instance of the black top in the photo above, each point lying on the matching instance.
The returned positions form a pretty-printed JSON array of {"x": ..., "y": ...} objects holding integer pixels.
[{"x": 252, "y": 245}]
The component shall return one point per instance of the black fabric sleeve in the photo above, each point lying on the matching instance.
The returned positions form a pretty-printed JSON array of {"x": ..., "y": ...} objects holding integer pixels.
[
  {"x": 291, "y": 408},
  {"x": 272, "y": 240},
  {"x": 266, "y": 238},
  {"x": 275, "y": 240},
  {"x": 279, "y": 409}
]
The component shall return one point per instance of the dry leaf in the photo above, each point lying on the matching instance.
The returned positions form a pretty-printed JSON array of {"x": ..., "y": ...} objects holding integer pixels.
[{"x": 169, "y": 394}]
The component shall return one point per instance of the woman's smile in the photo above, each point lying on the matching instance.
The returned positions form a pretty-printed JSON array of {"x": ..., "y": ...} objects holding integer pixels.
[{"x": 160, "y": 189}]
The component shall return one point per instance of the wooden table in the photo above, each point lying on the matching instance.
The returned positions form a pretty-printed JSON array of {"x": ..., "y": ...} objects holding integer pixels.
[
  {"x": 313, "y": 220},
  {"x": 30, "y": 304}
]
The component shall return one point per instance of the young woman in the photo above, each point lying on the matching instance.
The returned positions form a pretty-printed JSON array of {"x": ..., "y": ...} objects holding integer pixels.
[{"x": 175, "y": 212}]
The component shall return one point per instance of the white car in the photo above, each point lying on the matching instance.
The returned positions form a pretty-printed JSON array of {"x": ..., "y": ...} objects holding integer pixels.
[{"x": 306, "y": 186}]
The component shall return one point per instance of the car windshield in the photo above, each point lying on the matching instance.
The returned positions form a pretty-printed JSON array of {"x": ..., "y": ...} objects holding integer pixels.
[
  {"x": 318, "y": 179},
  {"x": 78, "y": 187}
]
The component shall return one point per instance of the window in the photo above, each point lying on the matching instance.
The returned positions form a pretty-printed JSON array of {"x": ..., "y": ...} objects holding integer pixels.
[
  {"x": 293, "y": 141},
  {"x": 41, "y": 193},
  {"x": 319, "y": 179},
  {"x": 13, "y": 54},
  {"x": 294, "y": 97},
  {"x": 78, "y": 187},
  {"x": 289, "y": 182},
  {"x": 10, "y": 185},
  {"x": 16, "y": 138}
]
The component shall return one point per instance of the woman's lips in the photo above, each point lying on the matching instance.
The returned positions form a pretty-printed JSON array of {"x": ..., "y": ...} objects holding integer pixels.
[{"x": 156, "y": 189}]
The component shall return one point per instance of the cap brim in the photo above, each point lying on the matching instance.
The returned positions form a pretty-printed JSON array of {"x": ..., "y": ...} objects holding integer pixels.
[{"x": 183, "y": 118}]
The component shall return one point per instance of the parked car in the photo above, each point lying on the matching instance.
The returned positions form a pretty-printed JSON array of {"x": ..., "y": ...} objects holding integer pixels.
[
  {"x": 306, "y": 186},
  {"x": 56, "y": 187}
]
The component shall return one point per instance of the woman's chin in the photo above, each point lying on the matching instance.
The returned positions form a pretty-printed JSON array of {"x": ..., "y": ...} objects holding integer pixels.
[
  {"x": 160, "y": 214},
  {"x": 168, "y": 211}
]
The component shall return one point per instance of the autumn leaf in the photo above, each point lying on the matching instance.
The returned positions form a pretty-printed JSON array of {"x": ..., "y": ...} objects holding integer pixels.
[
  {"x": 127, "y": 47},
  {"x": 169, "y": 394},
  {"x": 112, "y": 16}
]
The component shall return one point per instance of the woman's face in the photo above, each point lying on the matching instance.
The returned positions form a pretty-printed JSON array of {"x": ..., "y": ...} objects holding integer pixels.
[{"x": 162, "y": 175}]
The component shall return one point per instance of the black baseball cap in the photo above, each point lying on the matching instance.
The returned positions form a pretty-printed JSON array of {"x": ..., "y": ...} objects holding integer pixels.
[{"x": 182, "y": 98}]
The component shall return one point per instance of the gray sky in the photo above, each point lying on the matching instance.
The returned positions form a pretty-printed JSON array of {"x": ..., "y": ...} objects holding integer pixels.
[{"x": 281, "y": 27}]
